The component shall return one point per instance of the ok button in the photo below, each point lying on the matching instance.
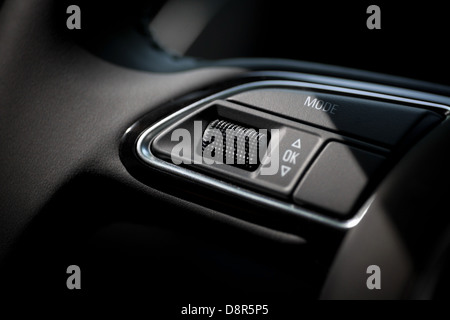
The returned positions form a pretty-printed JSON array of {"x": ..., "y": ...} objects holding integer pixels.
[
  {"x": 290, "y": 156},
  {"x": 296, "y": 149}
]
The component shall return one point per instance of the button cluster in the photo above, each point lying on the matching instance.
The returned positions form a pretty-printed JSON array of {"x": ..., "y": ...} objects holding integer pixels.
[{"x": 320, "y": 150}]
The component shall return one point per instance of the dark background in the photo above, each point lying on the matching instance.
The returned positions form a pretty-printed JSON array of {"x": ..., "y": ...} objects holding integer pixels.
[{"x": 412, "y": 41}]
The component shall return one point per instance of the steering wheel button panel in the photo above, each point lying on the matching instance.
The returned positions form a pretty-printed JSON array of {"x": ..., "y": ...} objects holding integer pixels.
[
  {"x": 337, "y": 178},
  {"x": 376, "y": 121},
  {"x": 324, "y": 148}
]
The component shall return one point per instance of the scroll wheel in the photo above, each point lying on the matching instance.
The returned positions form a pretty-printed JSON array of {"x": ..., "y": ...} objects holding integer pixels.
[{"x": 233, "y": 144}]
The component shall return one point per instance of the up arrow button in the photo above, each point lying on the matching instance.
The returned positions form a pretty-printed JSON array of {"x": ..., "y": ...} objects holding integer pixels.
[{"x": 297, "y": 144}]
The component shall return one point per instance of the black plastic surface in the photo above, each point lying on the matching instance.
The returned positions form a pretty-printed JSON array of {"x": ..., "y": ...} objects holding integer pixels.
[
  {"x": 381, "y": 122},
  {"x": 336, "y": 179}
]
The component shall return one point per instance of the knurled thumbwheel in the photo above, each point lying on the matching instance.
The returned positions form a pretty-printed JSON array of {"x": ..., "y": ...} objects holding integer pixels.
[{"x": 238, "y": 146}]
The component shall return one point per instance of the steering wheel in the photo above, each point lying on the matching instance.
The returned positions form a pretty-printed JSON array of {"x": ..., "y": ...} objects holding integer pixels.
[{"x": 74, "y": 190}]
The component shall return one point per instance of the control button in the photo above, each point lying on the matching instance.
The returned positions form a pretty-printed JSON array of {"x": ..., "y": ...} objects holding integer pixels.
[
  {"x": 337, "y": 178},
  {"x": 233, "y": 135},
  {"x": 295, "y": 150},
  {"x": 378, "y": 121}
]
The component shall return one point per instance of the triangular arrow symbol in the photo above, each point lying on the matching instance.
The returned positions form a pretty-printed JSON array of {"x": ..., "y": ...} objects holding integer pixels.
[
  {"x": 284, "y": 170},
  {"x": 297, "y": 144}
]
